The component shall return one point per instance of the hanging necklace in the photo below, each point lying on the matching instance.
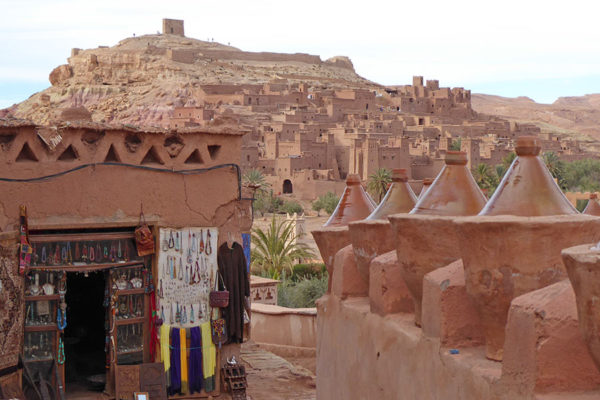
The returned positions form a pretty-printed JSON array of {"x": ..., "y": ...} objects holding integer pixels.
[
  {"x": 201, "y": 244},
  {"x": 160, "y": 290},
  {"x": 171, "y": 240},
  {"x": 105, "y": 252},
  {"x": 99, "y": 251},
  {"x": 194, "y": 243},
  {"x": 119, "y": 251},
  {"x": 191, "y": 313},
  {"x": 44, "y": 255},
  {"x": 61, "y": 318},
  {"x": 187, "y": 274},
  {"x": 92, "y": 254},
  {"x": 84, "y": 252},
  {"x": 113, "y": 252},
  {"x": 126, "y": 253},
  {"x": 57, "y": 255},
  {"x": 162, "y": 313},
  {"x": 184, "y": 315},
  {"x": 63, "y": 254},
  {"x": 177, "y": 242},
  {"x": 208, "y": 245},
  {"x": 180, "y": 272},
  {"x": 178, "y": 314},
  {"x": 61, "y": 352},
  {"x": 69, "y": 254}
]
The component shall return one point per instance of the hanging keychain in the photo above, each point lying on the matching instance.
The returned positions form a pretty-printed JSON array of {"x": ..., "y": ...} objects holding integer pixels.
[
  {"x": 208, "y": 245},
  {"x": 191, "y": 313},
  {"x": 171, "y": 240},
  {"x": 180, "y": 272},
  {"x": 177, "y": 242}
]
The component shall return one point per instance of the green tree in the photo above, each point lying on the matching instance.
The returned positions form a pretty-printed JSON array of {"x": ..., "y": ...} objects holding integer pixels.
[
  {"x": 327, "y": 202},
  {"x": 486, "y": 178},
  {"x": 378, "y": 183},
  {"x": 582, "y": 175},
  {"x": 291, "y": 207},
  {"x": 255, "y": 179},
  {"x": 555, "y": 166},
  {"x": 275, "y": 249},
  {"x": 267, "y": 202},
  {"x": 508, "y": 159},
  {"x": 456, "y": 144}
]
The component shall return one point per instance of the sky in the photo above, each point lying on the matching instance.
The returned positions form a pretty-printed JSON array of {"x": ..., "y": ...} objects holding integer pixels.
[{"x": 540, "y": 49}]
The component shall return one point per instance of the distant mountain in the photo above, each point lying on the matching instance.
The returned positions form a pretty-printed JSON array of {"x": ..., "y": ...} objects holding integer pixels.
[
  {"x": 141, "y": 79},
  {"x": 577, "y": 116}
]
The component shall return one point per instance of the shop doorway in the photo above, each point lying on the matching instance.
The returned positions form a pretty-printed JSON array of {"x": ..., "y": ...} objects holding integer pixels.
[{"x": 84, "y": 335}]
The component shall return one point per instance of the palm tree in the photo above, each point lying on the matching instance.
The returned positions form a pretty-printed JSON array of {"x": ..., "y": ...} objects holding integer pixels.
[
  {"x": 255, "y": 180},
  {"x": 486, "y": 179},
  {"x": 554, "y": 165},
  {"x": 276, "y": 249},
  {"x": 378, "y": 183},
  {"x": 456, "y": 144},
  {"x": 508, "y": 159}
]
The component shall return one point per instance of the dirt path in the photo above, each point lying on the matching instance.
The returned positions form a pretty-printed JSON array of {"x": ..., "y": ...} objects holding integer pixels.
[{"x": 271, "y": 377}]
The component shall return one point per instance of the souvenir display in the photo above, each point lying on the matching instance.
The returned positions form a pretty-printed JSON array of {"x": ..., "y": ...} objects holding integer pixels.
[
  {"x": 130, "y": 338},
  {"x": 83, "y": 252},
  {"x": 187, "y": 268},
  {"x": 39, "y": 345}
]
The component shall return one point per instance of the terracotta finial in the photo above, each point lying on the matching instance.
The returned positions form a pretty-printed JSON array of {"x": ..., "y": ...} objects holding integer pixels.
[
  {"x": 456, "y": 158},
  {"x": 399, "y": 175},
  {"x": 355, "y": 204},
  {"x": 528, "y": 146},
  {"x": 454, "y": 192}
]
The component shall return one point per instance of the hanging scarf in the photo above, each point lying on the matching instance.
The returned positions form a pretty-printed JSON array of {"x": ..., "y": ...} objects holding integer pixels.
[
  {"x": 175, "y": 362},
  {"x": 164, "y": 346},
  {"x": 209, "y": 357},
  {"x": 196, "y": 375},
  {"x": 184, "y": 363},
  {"x": 153, "y": 327}
]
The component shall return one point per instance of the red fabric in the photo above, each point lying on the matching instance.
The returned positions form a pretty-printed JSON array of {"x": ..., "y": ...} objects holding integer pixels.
[{"x": 153, "y": 327}]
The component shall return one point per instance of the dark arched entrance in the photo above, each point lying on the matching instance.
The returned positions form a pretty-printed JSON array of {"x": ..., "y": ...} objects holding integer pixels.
[{"x": 287, "y": 186}]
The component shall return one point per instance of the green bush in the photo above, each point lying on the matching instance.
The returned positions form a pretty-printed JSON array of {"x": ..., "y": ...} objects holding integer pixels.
[
  {"x": 327, "y": 202},
  {"x": 300, "y": 271},
  {"x": 301, "y": 294},
  {"x": 291, "y": 207}
]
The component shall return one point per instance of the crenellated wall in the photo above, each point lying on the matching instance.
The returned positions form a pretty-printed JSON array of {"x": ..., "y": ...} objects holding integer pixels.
[{"x": 368, "y": 346}]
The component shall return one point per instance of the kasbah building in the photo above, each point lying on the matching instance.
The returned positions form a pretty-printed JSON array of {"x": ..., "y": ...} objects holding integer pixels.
[{"x": 455, "y": 296}]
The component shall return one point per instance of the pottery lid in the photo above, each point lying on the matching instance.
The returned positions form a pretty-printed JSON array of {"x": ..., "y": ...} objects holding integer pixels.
[
  {"x": 456, "y": 158},
  {"x": 527, "y": 188},
  {"x": 454, "y": 191},
  {"x": 399, "y": 198},
  {"x": 355, "y": 204},
  {"x": 592, "y": 207},
  {"x": 528, "y": 146},
  {"x": 399, "y": 175}
]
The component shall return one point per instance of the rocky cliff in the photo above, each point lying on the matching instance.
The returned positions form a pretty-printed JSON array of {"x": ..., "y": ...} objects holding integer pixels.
[{"x": 141, "y": 79}]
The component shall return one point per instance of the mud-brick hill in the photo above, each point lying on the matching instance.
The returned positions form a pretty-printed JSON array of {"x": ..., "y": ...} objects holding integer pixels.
[{"x": 141, "y": 79}]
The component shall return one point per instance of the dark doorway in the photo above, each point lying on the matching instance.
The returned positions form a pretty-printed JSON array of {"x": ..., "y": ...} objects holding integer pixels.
[
  {"x": 287, "y": 186},
  {"x": 84, "y": 335}
]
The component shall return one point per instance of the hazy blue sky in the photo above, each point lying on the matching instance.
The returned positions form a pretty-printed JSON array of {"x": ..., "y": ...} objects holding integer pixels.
[{"x": 541, "y": 49}]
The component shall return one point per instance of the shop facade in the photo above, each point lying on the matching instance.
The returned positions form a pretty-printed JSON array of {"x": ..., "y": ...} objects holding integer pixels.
[{"x": 87, "y": 303}]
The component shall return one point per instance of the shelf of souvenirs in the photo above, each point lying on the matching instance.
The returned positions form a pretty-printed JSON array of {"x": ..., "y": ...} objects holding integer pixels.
[
  {"x": 43, "y": 297},
  {"x": 127, "y": 321},
  {"x": 80, "y": 237},
  {"x": 132, "y": 351},
  {"x": 45, "y": 359},
  {"x": 125, "y": 292},
  {"x": 86, "y": 267},
  {"x": 41, "y": 328}
]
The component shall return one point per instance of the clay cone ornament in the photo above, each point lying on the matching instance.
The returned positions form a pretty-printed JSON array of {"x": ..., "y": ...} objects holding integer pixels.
[
  {"x": 426, "y": 184},
  {"x": 425, "y": 238},
  {"x": 355, "y": 204},
  {"x": 513, "y": 246},
  {"x": 593, "y": 207},
  {"x": 373, "y": 236},
  {"x": 399, "y": 198},
  {"x": 454, "y": 192},
  {"x": 528, "y": 188},
  {"x": 583, "y": 267}
]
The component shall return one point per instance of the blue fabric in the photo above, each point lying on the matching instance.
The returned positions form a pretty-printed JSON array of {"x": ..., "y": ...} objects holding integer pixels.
[
  {"x": 246, "y": 241},
  {"x": 175, "y": 370},
  {"x": 195, "y": 374}
]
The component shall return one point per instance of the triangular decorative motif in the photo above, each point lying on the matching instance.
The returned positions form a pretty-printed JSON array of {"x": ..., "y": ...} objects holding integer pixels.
[
  {"x": 152, "y": 157},
  {"x": 69, "y": 154},
  {"x": 112, "y": 155},
  {"x": 213, "y": 150},
  {"x": 26, "y": 154},
  {"x": 194, "y": 158}
]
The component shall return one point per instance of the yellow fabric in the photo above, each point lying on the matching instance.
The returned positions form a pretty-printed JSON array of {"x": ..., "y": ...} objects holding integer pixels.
[
  {"x": 184, "y": 363},
  {"x": 165, "y": 351},
  {"x": 209, "y": 351}
]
